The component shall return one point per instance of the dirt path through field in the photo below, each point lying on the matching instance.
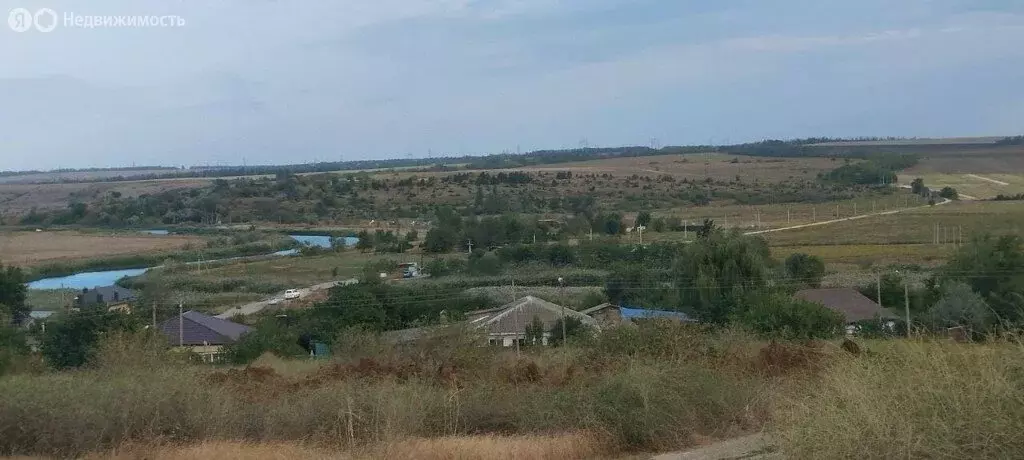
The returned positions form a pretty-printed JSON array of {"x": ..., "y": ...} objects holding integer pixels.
[
  {"x": 997, "y": 182},
  {"x": 844, "y": 219},
  {"x": 753, "y": 447}
]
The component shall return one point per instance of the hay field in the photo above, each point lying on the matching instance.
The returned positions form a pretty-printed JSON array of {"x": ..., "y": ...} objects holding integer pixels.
[{"x": 37, "y": 248}]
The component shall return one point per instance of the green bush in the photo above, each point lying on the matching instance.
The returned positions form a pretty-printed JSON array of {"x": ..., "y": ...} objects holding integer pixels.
[{"x": 781, "y": 316}]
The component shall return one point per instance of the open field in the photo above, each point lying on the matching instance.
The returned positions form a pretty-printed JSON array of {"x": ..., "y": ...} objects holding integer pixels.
[
  {"x": 976, "y": 186},
  {"x": 20, "y": 198},
  {"x": 915, "y": 226},
  {"x": 867, "y": 255},
  {"x": 787, "y": 214},
  {"x": 51, "y": 177},
  {"x": 987, "y": 160},
  {"x": 29, "y": 249}
]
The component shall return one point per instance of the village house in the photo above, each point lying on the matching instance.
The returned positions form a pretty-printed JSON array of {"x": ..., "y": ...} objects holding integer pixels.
[
  {"x": 202, "y": 334},
  {"x": 113, "y": 298},
  {"x": 854, "y": 306},
  {"x": 506, "y": 325}
]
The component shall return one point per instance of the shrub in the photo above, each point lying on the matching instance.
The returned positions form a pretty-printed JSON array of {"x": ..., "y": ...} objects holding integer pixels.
[
  {"x": 805, "y": 269},
  {"x": 780, "y": 316}
]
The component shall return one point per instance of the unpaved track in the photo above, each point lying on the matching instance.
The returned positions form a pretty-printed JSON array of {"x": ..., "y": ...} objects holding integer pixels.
[
  {"x": 256, "y": 307},
  {"x": 997, "y": 182},
  {"x": 844, "y": 219},
  {"x": 752, "y": 447}
]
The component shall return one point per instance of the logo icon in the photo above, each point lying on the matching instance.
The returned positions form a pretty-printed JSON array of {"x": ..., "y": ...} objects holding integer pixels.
[
  {"x": 45, "y": 20},
  {"x": 20, "y": 19}
]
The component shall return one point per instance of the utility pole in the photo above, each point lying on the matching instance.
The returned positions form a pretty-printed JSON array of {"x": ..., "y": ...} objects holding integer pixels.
[
  {"x": 561, "y": 283},
  {"x": 878, "y": 289},
  {"x": 814, "y": 214},
  {"x": 906, "y": 304},
  {"x": 181, "y": 325},
  {"x": 788, "y": 215},
  {"x": 640, "y": 229},
  {"x": 470, "y": 244},
  {"x": 154, "y": 315},
  {"x": 855, "y": 208},
  {"x": 837, "y": 211}
]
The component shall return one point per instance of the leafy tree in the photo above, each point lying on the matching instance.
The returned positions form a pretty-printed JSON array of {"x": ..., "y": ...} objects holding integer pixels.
[
  {"x": 270, "y": 334},
  {"x": 440, "y": 239},
  {"x": 707, "y": 229},
  {"x": 13, "y": 348},
  {"x": 412, "y": 236},
  {"x": 484, "y": 263},
  {"x": 714, "y": 276},
  {"x": 12, "y": 293},
  {"x": 560, "y": 255},
  {"x": 71, "y": 341},
  {"x": 643, "y": 218},
  {"x": 574, "y": 328},
  {"x": 780, "y": 316},
  {"x": 917, "y": 186},
  {"x": 674, "y": 224},
  {"x": 993, "y": 266},
  {"x": 659, "y": 224},
  {"x": 610, "y": 223},
  {"x": 535, "y": 332},
  {"x": 366, "y": 241},
  {"x": 805, "y": 269},
  {"x": 959, "y": 306},
  {"x": 949, "y": 193}
]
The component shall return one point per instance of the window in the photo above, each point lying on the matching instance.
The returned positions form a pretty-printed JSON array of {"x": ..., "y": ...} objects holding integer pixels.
[{"x": 493, "y": 342}]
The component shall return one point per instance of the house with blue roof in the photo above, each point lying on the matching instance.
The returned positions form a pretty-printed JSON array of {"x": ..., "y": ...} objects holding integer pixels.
[{"x": 610, "y": 315}]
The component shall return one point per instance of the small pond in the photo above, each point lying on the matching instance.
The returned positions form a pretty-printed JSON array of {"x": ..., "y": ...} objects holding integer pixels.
[
  {"x": 86, "y": 279},
  {"x": 322, "y": 241}
]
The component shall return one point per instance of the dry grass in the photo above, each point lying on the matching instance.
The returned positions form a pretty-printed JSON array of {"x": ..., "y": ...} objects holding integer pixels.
[
  {"x": 37, "y": 248},
  {"x": 573, "y": 446},
  {"x": 910, "y": 400},
  {"x": 440, "y": 396}
]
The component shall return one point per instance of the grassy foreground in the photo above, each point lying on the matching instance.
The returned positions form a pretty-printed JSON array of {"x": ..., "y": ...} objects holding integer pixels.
[
  {"x": 657, "y": 388},
  {"x": 910, "y": 400}
]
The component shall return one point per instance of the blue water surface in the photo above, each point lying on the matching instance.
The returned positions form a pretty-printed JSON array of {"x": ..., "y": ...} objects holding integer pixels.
[
  {"x": 322, "y": 241},
  {"x": 86, "y": 279}
]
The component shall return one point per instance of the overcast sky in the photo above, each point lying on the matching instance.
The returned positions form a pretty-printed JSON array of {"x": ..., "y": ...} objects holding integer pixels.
[{"x": 275, "y": 81}]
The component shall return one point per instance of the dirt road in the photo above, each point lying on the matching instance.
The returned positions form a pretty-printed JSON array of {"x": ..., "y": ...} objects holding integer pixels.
[
  {"x": 256, "y": 307},
  {"x": 844, "y": 219},
  {"x": 752, "y": 447}
]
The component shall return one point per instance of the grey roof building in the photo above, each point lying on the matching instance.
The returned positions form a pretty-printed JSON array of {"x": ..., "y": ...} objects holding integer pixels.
[
  {"x": 103, "y": 295},
  {"x": 853, "y": 305},
  {"x": 199, "y": 329},
  {"x": 507, "y": 323}
]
